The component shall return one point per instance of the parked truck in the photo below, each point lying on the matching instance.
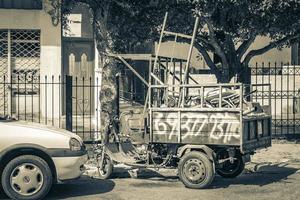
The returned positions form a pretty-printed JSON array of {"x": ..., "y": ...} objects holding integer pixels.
[{"x": 200, "y": 129}]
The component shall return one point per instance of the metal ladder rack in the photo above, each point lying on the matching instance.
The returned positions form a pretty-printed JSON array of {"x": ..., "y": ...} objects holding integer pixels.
[{"x": 186, "y": 69}]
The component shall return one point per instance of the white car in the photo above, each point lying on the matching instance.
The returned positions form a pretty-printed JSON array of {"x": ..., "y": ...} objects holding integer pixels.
[{"x": 33, "y": 157}]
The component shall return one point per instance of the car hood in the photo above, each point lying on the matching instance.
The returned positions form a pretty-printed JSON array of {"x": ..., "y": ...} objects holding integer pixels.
[{"x": 42, "y": 127}]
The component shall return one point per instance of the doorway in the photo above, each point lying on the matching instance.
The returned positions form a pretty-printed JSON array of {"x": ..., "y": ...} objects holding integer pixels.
[{"x": 78, "y": 61}]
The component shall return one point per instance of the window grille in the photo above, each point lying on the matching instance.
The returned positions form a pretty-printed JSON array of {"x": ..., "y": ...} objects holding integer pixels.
[
  {"x": 3, "y": 72},
  {"x": 19, "y": 63}
]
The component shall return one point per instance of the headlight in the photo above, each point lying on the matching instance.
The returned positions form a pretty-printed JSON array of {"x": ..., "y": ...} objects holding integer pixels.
[{"x": 75, "y": 145}]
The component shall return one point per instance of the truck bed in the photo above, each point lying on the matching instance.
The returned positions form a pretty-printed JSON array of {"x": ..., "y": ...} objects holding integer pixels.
[
  {"x": 222, "y": 114},
  {"x": 197, "y": 126}
]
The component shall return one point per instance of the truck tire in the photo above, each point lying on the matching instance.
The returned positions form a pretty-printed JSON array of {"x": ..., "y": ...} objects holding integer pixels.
[
  {"x": 27, "y": 177},
  {"x": 107, "y": 169},
  {"x": 230, "y": 170},
  {"x": 195, "y": 170}
]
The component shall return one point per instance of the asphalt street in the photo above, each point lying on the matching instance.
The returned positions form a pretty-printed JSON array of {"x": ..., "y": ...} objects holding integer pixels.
[{"x": 273, "y": 174}]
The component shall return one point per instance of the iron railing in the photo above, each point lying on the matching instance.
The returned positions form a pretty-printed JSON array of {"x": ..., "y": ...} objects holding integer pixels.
[
  {"x": 44, "y": 100},
  {"x": 285, "y": 85}
]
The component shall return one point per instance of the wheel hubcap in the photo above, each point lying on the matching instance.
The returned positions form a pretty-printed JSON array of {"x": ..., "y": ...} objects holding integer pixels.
[
  {"x": 194, "y": 170},
  {"x": 26, "y": 179}
]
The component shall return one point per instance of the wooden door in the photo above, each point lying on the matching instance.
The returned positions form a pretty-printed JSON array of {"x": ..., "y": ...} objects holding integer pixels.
[{"x": 79, "y": 63}]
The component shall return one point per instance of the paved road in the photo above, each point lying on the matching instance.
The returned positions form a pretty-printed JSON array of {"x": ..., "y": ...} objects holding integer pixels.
[{"x": 278, "y": 179}]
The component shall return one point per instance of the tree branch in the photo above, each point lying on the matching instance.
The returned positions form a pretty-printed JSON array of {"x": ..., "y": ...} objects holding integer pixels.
[
  {"x": 215, "y": 44},
  {"x": 268, "y": 47},
  {"x": 207, "y": 59},
  {"x": 245, "y": 46},
  {"x": 202, "y": 50}
]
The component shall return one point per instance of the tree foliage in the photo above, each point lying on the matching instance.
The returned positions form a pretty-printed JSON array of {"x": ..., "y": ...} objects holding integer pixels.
[{"x": 227, "y": 27}]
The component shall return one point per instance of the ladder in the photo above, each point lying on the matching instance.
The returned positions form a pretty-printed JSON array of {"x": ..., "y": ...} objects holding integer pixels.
[
  {"x": 156, "y": 67},
  {"x": 188, "y": 60}
]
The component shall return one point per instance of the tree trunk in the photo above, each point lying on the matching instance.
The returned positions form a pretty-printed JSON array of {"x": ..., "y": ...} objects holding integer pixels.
[
  {"x": 224, "y": 76},
  {"x": 108, "y": 97}
]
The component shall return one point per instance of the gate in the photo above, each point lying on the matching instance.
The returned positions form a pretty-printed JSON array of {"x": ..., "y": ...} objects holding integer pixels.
[{"x": 285, "y": 87}]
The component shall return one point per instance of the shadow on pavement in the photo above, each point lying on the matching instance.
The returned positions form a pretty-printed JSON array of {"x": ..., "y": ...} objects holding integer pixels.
[
  {"x": 142, "y": 173},
  {"x": 264, "y": 175},
  {"x": 84, "y": 186}
]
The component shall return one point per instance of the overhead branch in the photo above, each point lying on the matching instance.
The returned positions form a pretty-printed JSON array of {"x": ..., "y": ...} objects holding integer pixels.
[
  {"x": 214, "y": 42},
  {"x": 207, "y": 59},
  {"x": 268, "y": 47},
  {"x": 245, "y": 46},
  {"x": 205, "y": 43}
]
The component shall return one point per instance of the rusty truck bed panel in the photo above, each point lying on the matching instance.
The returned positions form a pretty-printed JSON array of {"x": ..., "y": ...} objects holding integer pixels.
[
  {"x": 210, "y": 128},
  {"x": 194, "y": 127},
  {"x": 256, "y": 133}
]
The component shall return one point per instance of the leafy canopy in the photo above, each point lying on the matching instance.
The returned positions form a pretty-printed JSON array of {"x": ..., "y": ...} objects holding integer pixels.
[{"x": 227, "y": 27}]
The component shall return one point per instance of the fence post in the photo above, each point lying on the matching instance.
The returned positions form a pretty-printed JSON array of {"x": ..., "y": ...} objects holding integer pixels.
[{"x": 69, "y": 106}]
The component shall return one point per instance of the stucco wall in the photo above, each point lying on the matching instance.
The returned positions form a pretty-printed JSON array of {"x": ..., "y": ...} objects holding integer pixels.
[
  {"x": 274, "y": 55},
  {"x": 181, "y": 51},
  {"x": 50, "y": 58},
  {"x": 50, "y": 35}
]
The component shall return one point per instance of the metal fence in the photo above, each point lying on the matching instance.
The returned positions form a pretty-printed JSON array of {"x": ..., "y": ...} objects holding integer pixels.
[
  {"x": 63, "y": 102},
  {"x": 285, "y": 88},
  {"x": 72, "y": 103}
]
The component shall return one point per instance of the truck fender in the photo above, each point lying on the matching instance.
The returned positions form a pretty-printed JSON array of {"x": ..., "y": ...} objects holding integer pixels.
[{"x": 187, "y": 148}]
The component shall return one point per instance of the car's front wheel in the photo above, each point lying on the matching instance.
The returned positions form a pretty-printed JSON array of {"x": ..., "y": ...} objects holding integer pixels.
[{"x": 27, "y": 177}]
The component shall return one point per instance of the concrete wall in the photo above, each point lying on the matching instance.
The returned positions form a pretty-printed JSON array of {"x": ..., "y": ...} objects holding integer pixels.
[
  {"x": 274, "y": 55},
  {"x": 50, "y": 35},
  {"x": 180, "y": 50}
]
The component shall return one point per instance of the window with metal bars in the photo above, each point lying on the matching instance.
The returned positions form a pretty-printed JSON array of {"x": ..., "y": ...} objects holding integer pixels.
[
  {"x": 19, "y": 64},
  {"x": 21, "y": 4}
]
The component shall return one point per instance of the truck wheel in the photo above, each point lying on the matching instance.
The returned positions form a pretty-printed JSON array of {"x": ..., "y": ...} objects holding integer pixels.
[
  {"x": 228, "y": 169},
  {"x": 195, "y": 170},
  {"x": 27, "y": 177},
  {"x": 107, "y": 168}
]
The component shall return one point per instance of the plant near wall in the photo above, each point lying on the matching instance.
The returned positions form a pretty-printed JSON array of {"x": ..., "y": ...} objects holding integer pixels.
[{"x": 52, "y": 7}]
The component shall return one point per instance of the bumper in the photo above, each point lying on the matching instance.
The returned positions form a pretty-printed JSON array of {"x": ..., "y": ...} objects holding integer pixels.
[{"x": 69, "y": 167}]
